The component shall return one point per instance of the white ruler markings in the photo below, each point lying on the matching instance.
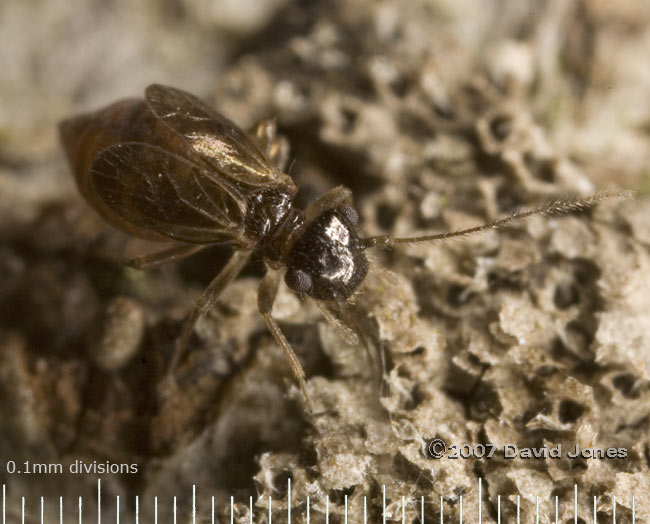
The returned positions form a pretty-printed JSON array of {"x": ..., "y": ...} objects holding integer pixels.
[{"x": 346, "y": 508}]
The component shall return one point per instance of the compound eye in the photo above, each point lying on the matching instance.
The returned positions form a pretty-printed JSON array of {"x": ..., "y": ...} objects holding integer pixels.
[
  {"x": 350, "y": 213},
  {"x": 298, "y": 280}
]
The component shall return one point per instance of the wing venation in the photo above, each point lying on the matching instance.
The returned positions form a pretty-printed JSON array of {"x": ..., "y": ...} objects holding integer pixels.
[
  {"x": 159, "y": 191},
  {"x": 217, "y": 140}
]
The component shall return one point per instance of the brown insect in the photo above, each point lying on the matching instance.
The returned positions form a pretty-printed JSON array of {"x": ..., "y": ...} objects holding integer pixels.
[{"x": 171, "y": 167}]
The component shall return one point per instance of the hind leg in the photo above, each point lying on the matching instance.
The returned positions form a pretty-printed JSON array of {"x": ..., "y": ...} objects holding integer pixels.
[{"x": 264, "y": 133}]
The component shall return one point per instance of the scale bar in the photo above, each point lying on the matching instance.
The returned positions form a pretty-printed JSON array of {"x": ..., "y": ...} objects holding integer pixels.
[
  {"x": 518, "y": 510},
  {"x": 347, "y": 507},
  {"x": 479, "y": 500},
  {"x": 346, "y": 510}
]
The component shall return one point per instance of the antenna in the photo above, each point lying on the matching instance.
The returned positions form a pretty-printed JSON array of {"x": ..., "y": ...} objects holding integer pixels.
[{"x": 557, "y": 207}]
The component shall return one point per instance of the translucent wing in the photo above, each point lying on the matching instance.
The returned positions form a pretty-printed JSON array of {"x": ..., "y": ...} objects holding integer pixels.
[
  {"x": 355, "y": 325},
  {"x": 217, "y": 140},
  {"x": 152, "y": 189}
]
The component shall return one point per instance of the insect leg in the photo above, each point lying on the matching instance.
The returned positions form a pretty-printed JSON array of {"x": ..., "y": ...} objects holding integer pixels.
[
  {"x": 265, "y": 297},
  {"x": 346, "y": 332},
  {"x": 335, "y": 197},
  {"x": 207, "y": 300},
  {"x": 172, "y": 254},
  {"x": 264, "y": 133}
]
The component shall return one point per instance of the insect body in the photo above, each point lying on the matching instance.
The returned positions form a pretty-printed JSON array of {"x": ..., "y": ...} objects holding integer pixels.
[{"x": 170, "y": 167}]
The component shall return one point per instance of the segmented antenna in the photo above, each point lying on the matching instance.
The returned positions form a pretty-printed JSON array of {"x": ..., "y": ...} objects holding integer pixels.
[{"x": 557, "y": 207}]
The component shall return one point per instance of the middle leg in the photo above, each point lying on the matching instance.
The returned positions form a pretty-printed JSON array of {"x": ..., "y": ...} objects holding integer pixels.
[{"x": 208, "y": 299}]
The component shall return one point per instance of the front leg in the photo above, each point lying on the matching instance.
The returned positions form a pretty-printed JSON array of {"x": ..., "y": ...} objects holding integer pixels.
[
  {"x": 266, "y": 294},
  {"x": 337, "y": 197}
]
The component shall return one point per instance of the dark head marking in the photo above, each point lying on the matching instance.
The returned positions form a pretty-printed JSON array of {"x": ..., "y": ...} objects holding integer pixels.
[{"x": 330, "y": 254}]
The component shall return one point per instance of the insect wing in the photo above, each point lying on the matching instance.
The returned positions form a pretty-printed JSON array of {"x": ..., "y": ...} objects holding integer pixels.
[
  {"x": 159, "y": 191},
  {"x": 217, "y": 140},
  {"x": 353, "y": 322}
]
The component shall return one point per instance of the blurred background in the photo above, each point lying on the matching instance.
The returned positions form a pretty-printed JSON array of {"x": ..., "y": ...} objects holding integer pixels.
[{"x": 433, "y": 112}]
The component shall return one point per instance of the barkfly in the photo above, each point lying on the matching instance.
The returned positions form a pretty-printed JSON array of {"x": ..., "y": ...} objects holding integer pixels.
[{"x": 170, "y": 167}]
